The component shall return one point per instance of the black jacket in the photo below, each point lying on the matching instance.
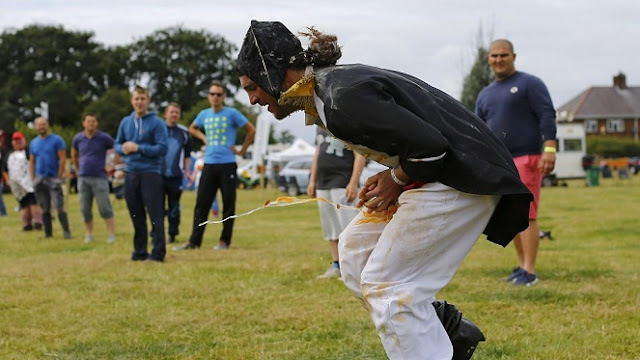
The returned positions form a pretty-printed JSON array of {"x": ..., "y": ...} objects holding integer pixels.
[{"x": 405, "y": 118}]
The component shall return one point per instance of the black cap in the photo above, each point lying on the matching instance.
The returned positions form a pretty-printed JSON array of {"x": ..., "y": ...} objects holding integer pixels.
[{"x": 266, "y": 53}]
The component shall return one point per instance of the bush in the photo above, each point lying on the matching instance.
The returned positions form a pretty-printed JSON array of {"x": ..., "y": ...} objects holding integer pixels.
[{"x": 608, "y": 147}]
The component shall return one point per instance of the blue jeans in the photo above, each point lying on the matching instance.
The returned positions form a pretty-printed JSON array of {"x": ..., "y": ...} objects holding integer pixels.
[
  {"x": 172, "y": 192},
  {"x": 3, "y": 209},
  {"x": 143, "y": 191}
]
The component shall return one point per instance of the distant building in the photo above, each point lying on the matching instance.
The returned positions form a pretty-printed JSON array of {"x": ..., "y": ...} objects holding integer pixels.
[{"x": 606, "y": 110}]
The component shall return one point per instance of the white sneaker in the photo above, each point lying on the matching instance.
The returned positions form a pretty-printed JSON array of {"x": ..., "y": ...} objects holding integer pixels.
[
  {"x": 88, "y": 239},
  {"x": 332, "y": 272},
  {"x": 111, "y": 239}
]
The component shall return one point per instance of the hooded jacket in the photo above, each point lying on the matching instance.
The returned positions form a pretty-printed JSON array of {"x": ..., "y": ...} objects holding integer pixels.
[
  {"x": 395, "y": 118},
  {"x": 150, "y": 133}
]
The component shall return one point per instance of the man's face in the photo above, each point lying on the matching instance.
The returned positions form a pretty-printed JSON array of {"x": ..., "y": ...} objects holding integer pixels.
[
  {"x": 501, "y": 60},
  {"x": 172, "y": 115},
  {"x": 259, "y": 96},
  {"x": 216, "y": 96},
  {"x": 19, "y": 144},
  {"x": 90, "y": 124},
  {"x": 140, "y": 102},
  {"x": 42, "y": 127}
]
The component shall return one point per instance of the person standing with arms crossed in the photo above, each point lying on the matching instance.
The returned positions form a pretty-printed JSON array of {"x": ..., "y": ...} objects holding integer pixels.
[
  {"x": 89, "y": 154},
  {"x": 175, "y": 166},
  {"x": 335, "y": 175},
  {"x": 517, "y": 107},
  {"x": 216, "y": 127},
  {"x": 46, "y": 165},
  {"x": 142, "y": 142}
]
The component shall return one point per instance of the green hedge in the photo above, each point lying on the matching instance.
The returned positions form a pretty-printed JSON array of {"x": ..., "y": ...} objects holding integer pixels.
[{"x": 608, "y": 147}]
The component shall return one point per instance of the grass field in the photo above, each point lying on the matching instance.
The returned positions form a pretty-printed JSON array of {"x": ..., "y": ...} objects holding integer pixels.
[{"x": 62, "y": 299}]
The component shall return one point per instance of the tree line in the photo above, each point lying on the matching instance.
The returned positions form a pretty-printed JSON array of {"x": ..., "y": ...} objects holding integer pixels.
[{"x": 74, "y": 74}]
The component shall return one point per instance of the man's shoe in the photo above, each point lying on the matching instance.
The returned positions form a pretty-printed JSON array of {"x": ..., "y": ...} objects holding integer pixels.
[
  {"x": 525, "y": 279},
  {"x": 515, "y": 272},
  {"x": 221, "y": 246},
  {"x": 67, "y": 235},
  {"x": 185, "y": 246},
  {"x": 172, "y": 239},
  {"x": 332, "y": 272},
  {"x": 111, "y": 239},
  {"x": 27, "y": 228},
  {"x": 88, "y": 239},
  {"x": 154, "y": 259},
  {"x": 463, "y": 333},
  {"x": 37, "y": 226}
]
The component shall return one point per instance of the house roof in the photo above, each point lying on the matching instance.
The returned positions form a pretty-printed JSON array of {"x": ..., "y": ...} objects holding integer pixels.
[{"x": 603, "y": 102}]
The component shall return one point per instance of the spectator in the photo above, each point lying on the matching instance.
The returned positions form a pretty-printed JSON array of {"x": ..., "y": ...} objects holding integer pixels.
[
  {"x": 46, "y": 166},
  {"x": 450, "y": 179},
  {"x": 335, "y": 175},
  {"x": 216, "y": 127},
  {"x": 16, "y": 173},
  {"x": 88, "y": 155},
  {"x": 142, "y": 142},
  {"x": 518, "y": 109},
  {"x": 175, "y": 166},
  {"x": 3, "y": 209}
]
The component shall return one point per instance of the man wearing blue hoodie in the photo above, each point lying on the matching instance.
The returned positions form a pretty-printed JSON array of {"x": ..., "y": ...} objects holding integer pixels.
[{"x": 142, "y": 142}]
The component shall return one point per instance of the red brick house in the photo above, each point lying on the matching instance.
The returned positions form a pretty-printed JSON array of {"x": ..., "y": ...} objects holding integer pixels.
[{"x": 606, "y": 110}]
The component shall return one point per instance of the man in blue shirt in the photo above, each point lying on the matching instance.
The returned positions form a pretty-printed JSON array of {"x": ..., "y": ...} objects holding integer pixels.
[
  {"x": 142, "y": 141},
  {"x": 88, "y": 154},
  {"x": 46, "y": 166},
  {"x": 175, "y": 166},
  {"x": 217, "y": 127},
  {"x": 517, "y": 107}
]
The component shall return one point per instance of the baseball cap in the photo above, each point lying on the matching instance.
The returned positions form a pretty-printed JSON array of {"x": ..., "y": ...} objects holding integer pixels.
[{"x": 17, "y": 135}]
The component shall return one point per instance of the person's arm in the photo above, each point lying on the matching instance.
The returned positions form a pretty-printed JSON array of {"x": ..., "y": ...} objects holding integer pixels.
[
  {"x": 540, "y": 102},
  {"x": 248, "y": 140},
  {"x": 195, "y": 131},
  {"x": 62, "y": 159},
  {"x": 159, "y": 145},
  {"x": 187, "y": 165},
  {"x": 354, "y": 181},
  {"x": 313, "y": 173},
  {"x": 120, "y": 139},
  {"x": 32, "y": 166},
  {"x": 74, "y": 159}
]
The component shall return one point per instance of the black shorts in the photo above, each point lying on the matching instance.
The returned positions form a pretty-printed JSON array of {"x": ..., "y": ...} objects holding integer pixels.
[{"x": 29, "y": 199}]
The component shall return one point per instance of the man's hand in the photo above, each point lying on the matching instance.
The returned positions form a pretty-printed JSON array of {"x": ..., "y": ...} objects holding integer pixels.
[
  {"x": 379, "y": 192},
  {"x": 547, "y": 163},
  {"x": 129, "y": 147}
]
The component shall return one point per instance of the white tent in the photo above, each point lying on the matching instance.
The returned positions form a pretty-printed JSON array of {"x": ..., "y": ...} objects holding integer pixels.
[{"x": 300, "y": 149}]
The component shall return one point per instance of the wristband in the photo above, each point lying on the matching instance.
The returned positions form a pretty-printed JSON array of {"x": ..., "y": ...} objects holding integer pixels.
[
  {"x": 395, "y": 178},
  {"x": 550, "y": 149}
]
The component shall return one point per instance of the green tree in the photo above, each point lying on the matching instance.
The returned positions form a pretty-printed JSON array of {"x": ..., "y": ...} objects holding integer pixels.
[
  {"x": 110, "y": 108},
  {"x": 480, "y": 74},
  {"x": 177, "y": 64},
  {"x": 35, "y": 57},
  {"x": 286, "y": 137}
]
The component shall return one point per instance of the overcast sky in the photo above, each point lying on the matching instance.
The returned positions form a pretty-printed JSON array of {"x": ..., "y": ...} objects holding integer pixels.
[{"x": 569, "y": 44}]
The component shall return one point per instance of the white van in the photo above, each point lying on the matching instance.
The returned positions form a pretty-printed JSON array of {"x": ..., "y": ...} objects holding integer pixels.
[{"x": 572, "y": 147}]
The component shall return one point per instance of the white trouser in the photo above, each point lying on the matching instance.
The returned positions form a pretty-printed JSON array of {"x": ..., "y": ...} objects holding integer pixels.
[{"x": 396, "y": 268}]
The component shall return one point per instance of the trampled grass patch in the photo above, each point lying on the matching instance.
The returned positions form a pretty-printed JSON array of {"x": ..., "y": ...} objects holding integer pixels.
[{"x": 64, "y": 299}]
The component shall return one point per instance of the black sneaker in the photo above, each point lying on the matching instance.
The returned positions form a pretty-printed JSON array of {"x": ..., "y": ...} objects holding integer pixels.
[
  {"x": 151, "y": 259},
  {"x": 515, "y": 273},
  {"x": 37, "y": 226},
  {"x": 27, "y": 228},
  {"x": 525, "y": 279},
  {"x": 172, "y": 239},
  {"x": 185, "y": 246}
]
